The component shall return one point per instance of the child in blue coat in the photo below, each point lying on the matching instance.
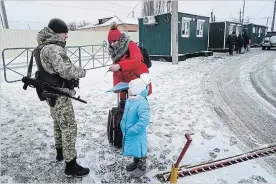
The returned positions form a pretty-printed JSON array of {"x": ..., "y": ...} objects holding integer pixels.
[{"x": 135, "y": 121}]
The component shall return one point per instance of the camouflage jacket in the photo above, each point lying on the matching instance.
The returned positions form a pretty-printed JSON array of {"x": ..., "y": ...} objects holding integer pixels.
[{"x": 54, "y": 58}]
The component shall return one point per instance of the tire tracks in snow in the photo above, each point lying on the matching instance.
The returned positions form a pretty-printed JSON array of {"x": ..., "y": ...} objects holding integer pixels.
[
  {"x": 246, "y": 109},
  {"x": 263, "y": 79}
]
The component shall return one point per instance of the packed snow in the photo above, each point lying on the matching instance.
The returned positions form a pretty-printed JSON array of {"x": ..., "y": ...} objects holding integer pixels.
[{"x": 177, "y": 107}]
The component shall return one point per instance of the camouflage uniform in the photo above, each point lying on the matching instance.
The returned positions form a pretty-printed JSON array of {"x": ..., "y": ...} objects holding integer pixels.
[{"x": 54, "y": 60}]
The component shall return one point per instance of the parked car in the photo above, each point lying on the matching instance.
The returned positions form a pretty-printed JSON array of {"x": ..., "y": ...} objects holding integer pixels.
[{"x": 269, "y": 40}]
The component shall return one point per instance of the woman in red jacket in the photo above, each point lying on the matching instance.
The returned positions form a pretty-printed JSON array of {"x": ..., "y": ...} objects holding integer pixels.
[{"x": 127, "y": 59}]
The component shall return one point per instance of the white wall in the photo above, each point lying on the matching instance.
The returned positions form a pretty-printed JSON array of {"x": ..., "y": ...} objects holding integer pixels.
[{"x": 12, "y": 38}]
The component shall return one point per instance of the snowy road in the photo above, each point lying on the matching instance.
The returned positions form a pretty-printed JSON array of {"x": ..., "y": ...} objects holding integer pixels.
[{"x": 242, "y": 93}]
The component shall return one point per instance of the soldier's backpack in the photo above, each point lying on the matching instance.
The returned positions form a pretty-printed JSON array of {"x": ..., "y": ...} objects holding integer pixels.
[{"x": 36, "y": 55}]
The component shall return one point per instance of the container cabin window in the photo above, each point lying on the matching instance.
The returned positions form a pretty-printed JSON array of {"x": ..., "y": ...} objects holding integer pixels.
[
  {"x": 185, "y": 27},
  {"x": 199, "y": 30},
  {"x": 260, "y": 32},
  {"x": 253, "y": 30},
  {"x": 231, "y": 29},
  {"x": 238, "y": 30}
]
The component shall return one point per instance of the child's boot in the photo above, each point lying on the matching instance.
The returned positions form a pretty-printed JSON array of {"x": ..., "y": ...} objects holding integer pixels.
[
  {"x": 132, "y": 166},
  {"x": 141, "y": 168},
  {"x": 142, "y": 164}
]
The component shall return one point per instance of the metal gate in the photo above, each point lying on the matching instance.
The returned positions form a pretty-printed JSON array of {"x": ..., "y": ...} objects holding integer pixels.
[{"x": 85, "y": 56}]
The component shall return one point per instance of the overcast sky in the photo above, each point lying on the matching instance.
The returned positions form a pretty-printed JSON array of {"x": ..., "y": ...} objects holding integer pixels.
[{"x": 36, "y": 14}]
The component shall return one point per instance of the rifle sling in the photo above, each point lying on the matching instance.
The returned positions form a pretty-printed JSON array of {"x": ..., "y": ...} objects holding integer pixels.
[{"x": 29, "y": 73}]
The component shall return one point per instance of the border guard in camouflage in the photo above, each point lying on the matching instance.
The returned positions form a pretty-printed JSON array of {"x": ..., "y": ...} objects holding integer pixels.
[{"x": 55, "y": 67}]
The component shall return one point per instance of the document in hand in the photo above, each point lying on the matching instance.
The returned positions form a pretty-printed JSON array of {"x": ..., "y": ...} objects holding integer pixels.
[{"x": 121, "y": 86}]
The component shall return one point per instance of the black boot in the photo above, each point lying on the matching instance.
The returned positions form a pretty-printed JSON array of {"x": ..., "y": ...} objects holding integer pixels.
[
  {"x": 74, "y": 169},
  {"x": 59, "y": 156},
  {"x": 132, "y": 166}
]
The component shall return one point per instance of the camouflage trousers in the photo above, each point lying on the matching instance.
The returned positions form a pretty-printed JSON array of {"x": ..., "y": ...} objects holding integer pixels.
[{"x": 65, "y": 127}]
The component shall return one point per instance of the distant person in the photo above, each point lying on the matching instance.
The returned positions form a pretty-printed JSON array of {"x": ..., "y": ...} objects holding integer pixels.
[
  {"x": 239, "y": 44},
  {"x": 231, "y": 40},
  {"x": 246, "y": 41}
]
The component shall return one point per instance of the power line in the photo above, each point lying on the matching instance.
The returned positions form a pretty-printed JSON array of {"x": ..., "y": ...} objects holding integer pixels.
[
  {"x": 262, "y": 9},
  {"x": 32, "y": 23},
  {"x": 249, "y": 18},
  {"x": 20, "y": 21},
  {"x": 73, "y": 7},
  {"x": 88, "y": 9},
  {"x": 92, "y": 5},
  {"x": 116, "y": 4},
  {"x": 260, "y": 18},
  {"x": 134, "y": 8}
]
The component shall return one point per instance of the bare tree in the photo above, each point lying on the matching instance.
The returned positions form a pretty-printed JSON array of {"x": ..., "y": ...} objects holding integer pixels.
[
  {"x": 150, "y": 7},
  {"x": 159, "y": 7},
  {"x": 72, "y": 26},
  {"x": 83, "y": 23}
]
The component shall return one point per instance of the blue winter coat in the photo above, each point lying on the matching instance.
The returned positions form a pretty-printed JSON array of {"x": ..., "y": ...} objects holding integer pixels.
[{"x": 133, "y": 125}]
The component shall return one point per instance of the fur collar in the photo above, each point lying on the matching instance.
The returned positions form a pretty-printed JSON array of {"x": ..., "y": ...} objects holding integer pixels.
[{"x": 120, "y": 50}]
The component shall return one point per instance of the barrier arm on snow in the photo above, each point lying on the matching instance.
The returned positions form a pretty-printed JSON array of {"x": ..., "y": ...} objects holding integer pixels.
[{"x": 174, "y": 170}]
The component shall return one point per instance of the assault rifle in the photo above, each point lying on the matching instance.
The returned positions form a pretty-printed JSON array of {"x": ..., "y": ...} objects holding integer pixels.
[{"x": 49, "y": 90}]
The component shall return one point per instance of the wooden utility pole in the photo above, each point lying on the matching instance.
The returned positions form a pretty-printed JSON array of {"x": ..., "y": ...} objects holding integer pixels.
[
  {"x": 212, "y": 15},
  {"x": 240, "y": 16},
  {"x": 174, "y": 32},
  {"x": 243, "y": 12},
  {"x": 273, "y": 19},
  {"x": 4, "y": 14},
  {"x": 2, "y": 22}
]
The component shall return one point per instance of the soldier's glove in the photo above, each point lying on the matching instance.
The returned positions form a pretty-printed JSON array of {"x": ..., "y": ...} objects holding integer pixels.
[
  {"x": 77, "y": 92},
  {"x": 77, "y": 83}
]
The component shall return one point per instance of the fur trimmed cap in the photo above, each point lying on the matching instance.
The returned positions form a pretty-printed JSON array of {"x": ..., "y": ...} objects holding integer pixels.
[
  {"x": 58, "y": 26},
  {"x": 137, "y": 86},
  {"x": 114, "y": 34}
]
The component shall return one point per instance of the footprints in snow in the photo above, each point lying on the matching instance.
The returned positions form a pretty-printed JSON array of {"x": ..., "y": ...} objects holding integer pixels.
[
  {"x": 233, "y": 141},
  {"x": 206, "y": 135},
  {"x": 253, "y": 179}
]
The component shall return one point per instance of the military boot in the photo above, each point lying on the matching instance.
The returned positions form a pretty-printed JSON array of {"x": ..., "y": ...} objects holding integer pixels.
[
  {"x": 132, "y": 166},
  {"x": 59, "y": 156},
  {"x": 74, "y": 169}
]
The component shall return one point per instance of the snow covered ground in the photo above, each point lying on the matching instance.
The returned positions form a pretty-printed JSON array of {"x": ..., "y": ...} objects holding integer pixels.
[{"x": 177, "y": 107}]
